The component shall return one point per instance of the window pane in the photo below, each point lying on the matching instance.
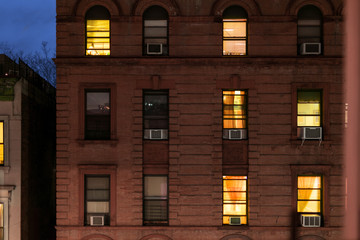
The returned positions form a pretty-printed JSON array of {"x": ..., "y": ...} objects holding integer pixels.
[
  {"x": 309, "y": 206},
  {"x": 1, "y": 132},
  {"x": 309, "y": 194},
  {"x": 309, "y": 108},
  {"x": 155, "y": 23},
  {"x": 98, "y": 103},
  {"x": 98, "y": 34},
  {"x": 234, "y": 209},
  {"x": 234, "y": 29},
  {"x": 234, "y": 185},
  {"x": 97, "y": 207},
  {"x": 155, "y": 32},
  {"x": 234, "y": 47},
  {"x": 98, "y": 195},
  {"x": 234, "y": 123},
  {"x": 1, "y": 221},
  {"x": 308, "y": 121},
  {"x": 302, "y": 22},
  {"x": 155, "y": 186},
  {"x": 233, "y": 99},
  {"x": 309, "y": 31},
  {"x": 155, "y": 210},
  {"x": 234, "y": 196},
  {"x": 309, "y": 97},
  {"x": 98, "y": 182},
  {"x": 155, "y": 105},
  {"x": 1, "y": 154},
  {"x": 309, "y": 181},
  {"x": 98, "y": 25}
]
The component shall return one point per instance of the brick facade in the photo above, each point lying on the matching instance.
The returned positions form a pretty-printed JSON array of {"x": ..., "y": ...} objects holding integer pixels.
[{"x": 195, "y": 157}]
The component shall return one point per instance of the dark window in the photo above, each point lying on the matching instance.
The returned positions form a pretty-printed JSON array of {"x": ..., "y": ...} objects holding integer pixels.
[
  {"x": 97, "y": 200},
  {"x": 309, "y": 28},
  {"x": 155, "y": 200},
  {"x": 155, "y": 35},
  {"x": 156, "y": 113},
  {"x": 97, "y": 31},
  {"x": 97, "y": 114},
  {"x": 235, "y": 31}
]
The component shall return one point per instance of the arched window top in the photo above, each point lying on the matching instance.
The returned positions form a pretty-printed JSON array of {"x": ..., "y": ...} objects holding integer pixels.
[
  {"x": 235, "y": 12},
  {"x": 309, "y": 12},
  {"x": 97, "y": 12},
  {"x": 155, "y": 13}
]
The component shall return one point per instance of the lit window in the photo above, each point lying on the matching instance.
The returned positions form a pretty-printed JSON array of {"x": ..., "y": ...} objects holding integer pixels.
[
  {"x": 1, "y": 221},
  {"x": 97, "y": 200},
  {"x": 234, "y": 109},
  {"x": 235, "y": 199},
  {"x": 97, "y": 114},
  {"x": 309, "y": 194},
  {"x": 98, "y": 31},
  {"x": 155, "y": 200},
  {"x": 156, "y": 114},
  {"x": 235, "y": 31},
  {"x": 2, "y": 154},
  {"x": 309, "y": 25},
  {"x": 309, "y": 108},
  {"x": 155, "y": 38}
]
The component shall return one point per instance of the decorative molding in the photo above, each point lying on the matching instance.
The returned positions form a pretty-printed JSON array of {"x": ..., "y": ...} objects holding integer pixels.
[
  {"x": 170, "y": 6},
  {"x": 325, "y": 6},
  {"x": 250, "y": 6}
]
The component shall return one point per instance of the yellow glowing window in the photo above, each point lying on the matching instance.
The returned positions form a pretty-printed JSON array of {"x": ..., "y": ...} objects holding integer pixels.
[
  {"x": 309, "y": 109},
  {"x": 1, "y": 221},
  {"x": 98, "y": 37},
  {"x": 234, "y": 109},
  {"x": 235, "y": 198},
  {"x": 1, "y": 143},
  {"x": 234, "y": 37},
  {"x": 309, "y": 192}
]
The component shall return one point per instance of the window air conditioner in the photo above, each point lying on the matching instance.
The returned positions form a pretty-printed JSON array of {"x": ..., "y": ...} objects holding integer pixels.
[
  {"x": 310, "y": 48},
  {"x": 96, "y": 220},
  {"x": 311, "y": 133},
  {"x": 154, "y": 48},
  {"x": 158, "y": 134},
  {"x": 309, "y": 220},
  {"x": 235, "y": 134},
  {"x": 234, "y": 221}
]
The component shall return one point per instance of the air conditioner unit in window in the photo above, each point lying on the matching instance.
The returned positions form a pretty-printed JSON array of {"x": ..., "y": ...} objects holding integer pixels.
[
  {"x": 310, "y": 220},
  {"x": 234, "y": 221},
  {"x": 310, "y": 48},
  {"x": 96, "y": 220},
  {"x": 311, "y": 133},
  {"x": 157, "y": 134},
  {"x": 154, "y": 48},
  {"x": 235, "y": 134}
]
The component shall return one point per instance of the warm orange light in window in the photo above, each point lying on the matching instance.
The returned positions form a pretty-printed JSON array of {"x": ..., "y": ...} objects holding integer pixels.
[
  {"x": 234, "y": 198},
  {"x": 309, "y": 194},
  {"x": 98, "y": 37}
]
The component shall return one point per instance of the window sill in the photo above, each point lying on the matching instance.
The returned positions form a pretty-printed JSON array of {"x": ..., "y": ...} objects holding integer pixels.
[{"x": 111, "y": 142}]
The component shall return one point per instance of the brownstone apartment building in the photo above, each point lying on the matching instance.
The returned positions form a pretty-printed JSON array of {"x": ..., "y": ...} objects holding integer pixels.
[{"x": 199, "y": 119}]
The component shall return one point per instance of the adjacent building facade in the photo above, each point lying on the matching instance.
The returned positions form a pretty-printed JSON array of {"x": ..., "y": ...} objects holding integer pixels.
[
  {"x": 27, "y": 153},
  {"x": 218, "y": 119}
]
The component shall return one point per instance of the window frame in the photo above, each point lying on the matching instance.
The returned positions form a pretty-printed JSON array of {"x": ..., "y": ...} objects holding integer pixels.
[
  {"x": 325, "y": 121},
  {"x": 86, "y": 33},
  {"x": 100, "y": 169},
  {"x": 162, "y": 92},
  {"x": 320, "y": 26},
  {"x": 164, "y": 222},
  {"x": 237, "y": 38},
  {"x": 144, "y": 46},
  {"x": 303, "y": 200},
  {"x": 6, "y": 142},
  {"x": 311, "y": 170},
  {"x": 86, "y": 200},
  {"x": 82, "y": 110},
  {"x": 246, "y": 194}
]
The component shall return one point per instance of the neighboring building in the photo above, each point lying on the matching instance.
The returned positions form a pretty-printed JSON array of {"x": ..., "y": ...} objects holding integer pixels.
[
  {"x": 27, "y": 153},
  {"x": 216, "y": 119}
]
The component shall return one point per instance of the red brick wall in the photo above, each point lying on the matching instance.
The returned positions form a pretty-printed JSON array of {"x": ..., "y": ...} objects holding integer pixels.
[{"x": 195, "y": 74}]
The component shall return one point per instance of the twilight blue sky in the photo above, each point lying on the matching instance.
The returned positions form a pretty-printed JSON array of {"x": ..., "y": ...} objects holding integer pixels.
[{"x": 24, "y": 24}]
